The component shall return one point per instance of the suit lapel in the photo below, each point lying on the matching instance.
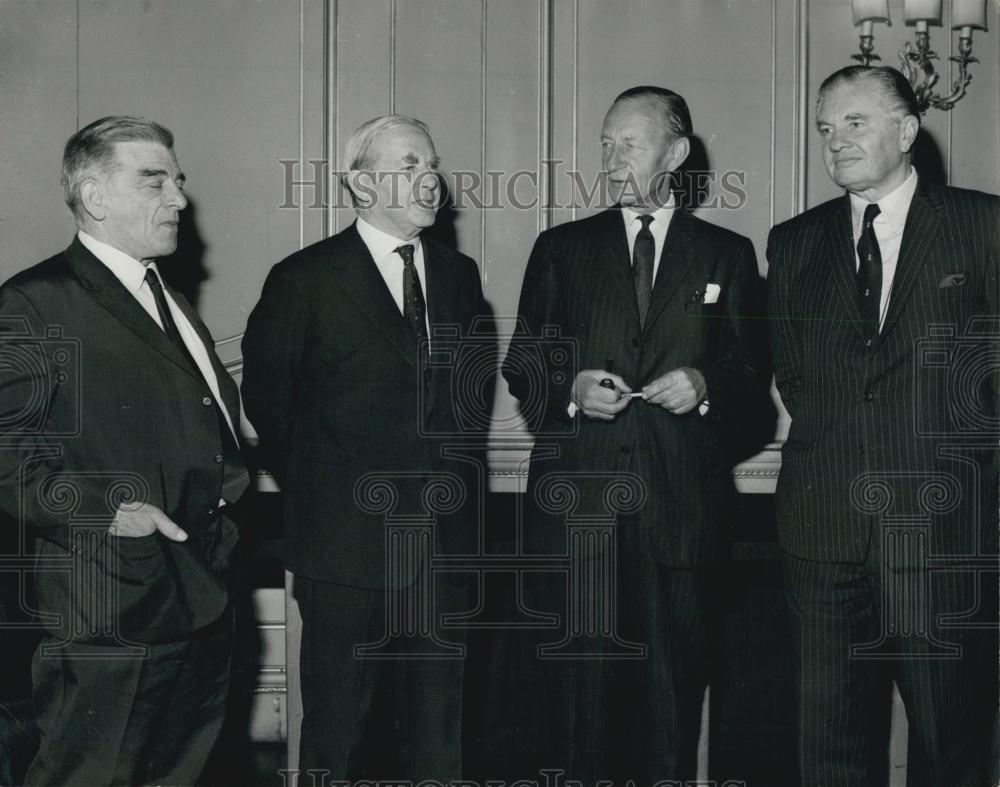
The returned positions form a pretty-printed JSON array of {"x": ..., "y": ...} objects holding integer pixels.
[
  {"x": 838, "y": 235},
  {"x": 227, "y": 387},
  {"x": 362, "y": 282},
  {"x": 613, "y": 253},
  {"x": 922, "y": 229},
  {"x": 675, "y": 261},
  {"x": 112, "y": 295},
  {"x": 441, "y": 300}
]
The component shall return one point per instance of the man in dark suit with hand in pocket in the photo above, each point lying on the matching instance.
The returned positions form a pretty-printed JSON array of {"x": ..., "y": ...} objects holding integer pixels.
[{"x": 120, "y": 461}]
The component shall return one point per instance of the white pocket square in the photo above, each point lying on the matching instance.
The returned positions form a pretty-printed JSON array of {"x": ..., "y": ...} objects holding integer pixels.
[{"x": 712, "y": 292}]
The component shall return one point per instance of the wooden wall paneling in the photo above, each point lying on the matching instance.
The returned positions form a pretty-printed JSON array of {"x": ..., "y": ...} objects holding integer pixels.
[
  {"x": 313, "y": 88},
  {"x": 363, "y": 79},
  {"x": 974, "y": 143},
  {"x": 834, "y": 39},
  {"x": 224, "y": 76},
  {"x": 784, "y": 129},
  {"x": 37, "y": 115},
  {"x": 438, "y": 60},
  {"x": 512, "y": 151},
  {"x": 565, "y": 131},
  {"x": 715, "y": 55}
]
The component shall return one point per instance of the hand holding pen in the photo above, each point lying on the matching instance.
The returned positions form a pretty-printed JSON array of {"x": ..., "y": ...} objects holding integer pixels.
[{"x": 601, "y": 394}]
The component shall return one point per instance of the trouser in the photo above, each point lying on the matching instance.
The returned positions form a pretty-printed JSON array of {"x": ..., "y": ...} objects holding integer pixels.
[
  {"x": 109, "y": 717},
  {"x": 611, "y": 714},
  {"x": 861, "y": 627},
  {"x": 340, "y": 687}
]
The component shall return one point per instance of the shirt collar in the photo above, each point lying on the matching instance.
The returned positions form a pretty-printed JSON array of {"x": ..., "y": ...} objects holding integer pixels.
[
  {"x": 128, "y": 270},
  {"x": 382, "y": 244},
  {"x": 661, "y": 219},
  {"x": 893, "y": 207}
]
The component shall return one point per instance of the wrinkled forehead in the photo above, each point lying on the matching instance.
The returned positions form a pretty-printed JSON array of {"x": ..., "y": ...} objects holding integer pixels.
[
  {"x": 857, "y": 99},
  {"x": 635, "y": 115},
  {"x": 402, "y": 145},
  {"x": 144, "y": 155}
]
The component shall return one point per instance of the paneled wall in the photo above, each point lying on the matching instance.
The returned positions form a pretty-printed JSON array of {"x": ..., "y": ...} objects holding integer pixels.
[{"x": 260, "y": 92}]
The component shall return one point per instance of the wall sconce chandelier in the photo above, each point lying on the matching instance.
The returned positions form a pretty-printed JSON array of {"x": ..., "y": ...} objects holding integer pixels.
[{"x": 916, "y": 63}]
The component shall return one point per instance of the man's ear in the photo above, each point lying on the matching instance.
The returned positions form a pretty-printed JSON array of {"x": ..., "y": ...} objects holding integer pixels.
[
  {"x": 92, "y": 198},
  {"x": 361, "y": 184},
  {"x": 679, "y": 151},
  {"x": 908, "y": 130}
]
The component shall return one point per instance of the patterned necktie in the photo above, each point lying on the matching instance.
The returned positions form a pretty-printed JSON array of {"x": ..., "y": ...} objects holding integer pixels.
[
  {"x": 642, "y": 266},
  {"x": 414, "y": 309},
  {"x": 869, "y": 272}
]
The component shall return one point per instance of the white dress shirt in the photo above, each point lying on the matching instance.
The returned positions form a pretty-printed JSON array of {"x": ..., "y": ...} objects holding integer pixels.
[
  {"x": 381, "y": 245},
  {"x": 132, "y": 274},
  {"x": 658, "y": 227},
  {"x": 888, "y": 226}
]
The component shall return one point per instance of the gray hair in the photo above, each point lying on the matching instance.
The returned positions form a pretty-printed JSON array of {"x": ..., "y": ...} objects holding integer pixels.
[
  {"x": 890, "y": 82},
  {"x": 93, "y": 149},
  {"x": 360, "y": 151}
]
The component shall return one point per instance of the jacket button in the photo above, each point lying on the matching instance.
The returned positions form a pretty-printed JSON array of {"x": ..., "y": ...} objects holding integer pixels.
[
  {"x": 219, "y": 459},
  {"x": 211, "y": 512},
  {"x": 207, "y": 401},
  {"x": 635, "y": 341},
  {"x": 869, "y": 396}
]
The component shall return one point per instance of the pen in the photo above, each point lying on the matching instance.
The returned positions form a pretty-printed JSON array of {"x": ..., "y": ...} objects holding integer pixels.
[{"x": 608, "y": 383}]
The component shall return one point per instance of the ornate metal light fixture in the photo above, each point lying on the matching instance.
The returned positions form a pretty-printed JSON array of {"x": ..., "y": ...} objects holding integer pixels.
[{"x": 917, "y": 62}]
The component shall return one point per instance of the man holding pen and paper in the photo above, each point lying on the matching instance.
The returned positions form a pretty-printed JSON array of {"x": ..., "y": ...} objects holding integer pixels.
[{"x": 650, "y": 298}]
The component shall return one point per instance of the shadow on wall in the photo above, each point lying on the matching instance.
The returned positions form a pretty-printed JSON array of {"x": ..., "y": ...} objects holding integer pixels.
[
  {"x": 184, "y": 270},
  {"x": 928, "y": 160}
]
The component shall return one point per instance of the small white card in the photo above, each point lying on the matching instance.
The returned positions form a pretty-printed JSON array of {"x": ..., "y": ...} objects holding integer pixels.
[{"x": 712, "y": 292}]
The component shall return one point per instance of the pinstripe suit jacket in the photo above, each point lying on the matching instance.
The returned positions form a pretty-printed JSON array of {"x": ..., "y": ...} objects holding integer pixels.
[
  {"x": 904, "y": 430},
  {"x": 579, "y": 282}
]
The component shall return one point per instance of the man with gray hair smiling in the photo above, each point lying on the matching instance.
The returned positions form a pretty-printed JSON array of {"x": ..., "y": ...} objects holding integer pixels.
[{"x": 337, "y": 381}]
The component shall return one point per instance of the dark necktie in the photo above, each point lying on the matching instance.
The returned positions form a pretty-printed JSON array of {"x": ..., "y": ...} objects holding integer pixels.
[
  {"x": 230, "y": 449},
  {"x": 869, "y": 272},
  {"x": 166, "y": 318},
  {"x": 414, "y": 309},
  {"x": 642, "y": 266}
]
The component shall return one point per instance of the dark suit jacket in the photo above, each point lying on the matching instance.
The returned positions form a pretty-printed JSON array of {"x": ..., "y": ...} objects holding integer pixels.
[
  {"x": 916, "y": 412},
  {"x": 579, "y": 282},
  {"x": 97, "y": 407},
  {"x": 330, "y": 382}
]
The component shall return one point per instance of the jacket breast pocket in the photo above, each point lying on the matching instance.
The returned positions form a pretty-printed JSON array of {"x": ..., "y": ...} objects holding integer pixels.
[{"x": 702, "y": 309}]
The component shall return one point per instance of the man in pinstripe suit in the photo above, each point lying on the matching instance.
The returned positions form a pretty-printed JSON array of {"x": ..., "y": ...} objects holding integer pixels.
[
  {"x": 651, "y": 298},
  {"x": 884, "y": 314}
]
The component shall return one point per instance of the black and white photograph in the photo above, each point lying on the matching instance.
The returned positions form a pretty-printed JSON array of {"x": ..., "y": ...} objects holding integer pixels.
[{"x": 500, "y": 393}]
